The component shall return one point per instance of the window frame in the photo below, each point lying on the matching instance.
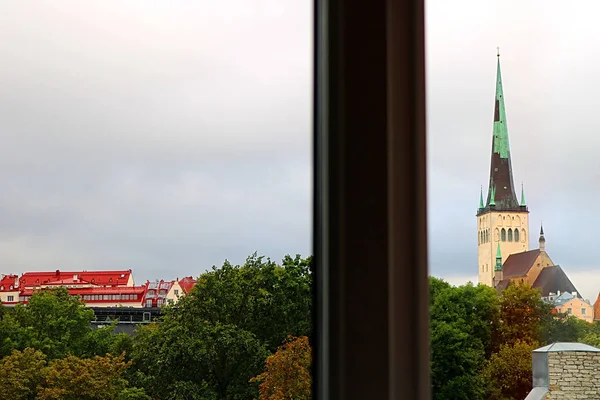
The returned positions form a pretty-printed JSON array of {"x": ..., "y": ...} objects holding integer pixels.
[{"x": 370, "y": 228}]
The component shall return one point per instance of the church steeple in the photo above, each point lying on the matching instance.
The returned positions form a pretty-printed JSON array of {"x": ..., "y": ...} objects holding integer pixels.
[
  {"x": 501, "y": 191},
  {"x": 498, "y": 266},
  {"x": 542, "y": 239}
]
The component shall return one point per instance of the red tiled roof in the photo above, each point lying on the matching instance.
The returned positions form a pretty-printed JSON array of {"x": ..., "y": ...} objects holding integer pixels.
[
  {"x": 7, "y": 282},
  {"x": 519, "y": 264},
  {"x": 187, "y": 283},
  {"x": 97, "y": 290},
  {"x": 101, "y": 278}
]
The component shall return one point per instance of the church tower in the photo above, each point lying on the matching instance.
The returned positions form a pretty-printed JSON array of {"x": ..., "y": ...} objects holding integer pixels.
[{"x": 502, "y": 220}]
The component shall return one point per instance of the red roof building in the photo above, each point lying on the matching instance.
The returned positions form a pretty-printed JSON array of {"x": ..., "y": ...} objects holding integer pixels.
[
  {"x": 96, "y": 288},
  {"x": 76, "y": 279}
]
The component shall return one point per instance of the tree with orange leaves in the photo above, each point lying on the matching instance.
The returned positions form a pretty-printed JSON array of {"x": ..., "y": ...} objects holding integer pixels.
[{"x": 288, "y": 372}]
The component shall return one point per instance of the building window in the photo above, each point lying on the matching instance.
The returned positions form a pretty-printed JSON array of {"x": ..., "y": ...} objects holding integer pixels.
[
  {"x": 516, "y": 235},
  {"x": 583, "y": 310},
  {"x": 503, "y": 235},
  {"x": 510, "y": 236},
  {"x": 10, "y": 298},
  {"x": 176, "y": 292},
  {"x": 159, "y": 303},
  {"x": 148, "y": 303},
  {"x": 569, "y": 311}
]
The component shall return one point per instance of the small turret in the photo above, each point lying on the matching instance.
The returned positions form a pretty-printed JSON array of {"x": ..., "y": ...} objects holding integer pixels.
[
  {"x": 481, "y": 206},
  {"x": 542, "y": 239},
  {"x": 498, "y": 270},
  {"x": 522, "y": 204}
]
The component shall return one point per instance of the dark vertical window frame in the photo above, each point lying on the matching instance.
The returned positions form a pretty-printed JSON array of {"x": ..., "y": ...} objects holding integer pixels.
[{"x": 371, "y": 316}]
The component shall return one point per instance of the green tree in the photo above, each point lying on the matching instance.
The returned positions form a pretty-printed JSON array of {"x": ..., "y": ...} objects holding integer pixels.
[
  {"x": 53, "y": 322},
  {"x": 456, "y": 362},
  {"x": 509, "y": 371},
  {"x": 185, "y": 357},
  {"x": 562, "y": 328},
  {"x": 474, "y": 308},
  {"x": 269, "y": 300},
  {"x": 463, "y": 322},
  {"x": 217, "y": 337}
]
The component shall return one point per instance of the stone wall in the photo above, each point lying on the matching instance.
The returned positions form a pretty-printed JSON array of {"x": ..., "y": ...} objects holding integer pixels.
[{"x": 574, "y": 375}]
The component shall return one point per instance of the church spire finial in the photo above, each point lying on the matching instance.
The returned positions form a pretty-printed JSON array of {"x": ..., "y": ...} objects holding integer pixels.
[
  {"x": 498, "y": 52},
  {"x": 523, "y": 204}
]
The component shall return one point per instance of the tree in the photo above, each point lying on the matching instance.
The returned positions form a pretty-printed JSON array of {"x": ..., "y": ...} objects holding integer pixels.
[
  {"x": 522, "y": 313},
  {"x": 288, "y": 372},
  {"x": 53, "y": 322},
  {"x": 73, "y": 378},
  {"x": 201, "y": 360},
  {"x": 456, "y": 363},
  {"x": 463, "y": 322},
  {"x": 509, "y": 371},
  {"x": 217, "y": 337},
  {"x": 474, "y": 308},
  {"x": 269, "y": 300},
  {"x": 22, "y": 373},
  {"x": 562, "y": 328}
]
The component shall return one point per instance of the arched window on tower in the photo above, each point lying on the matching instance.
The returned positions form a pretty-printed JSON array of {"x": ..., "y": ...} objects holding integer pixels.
[
  {"x": 516, "y": 235},
  {"x": 496, "y": 235},
  {"x": 503, "y": 235},
  {"x": 510, "y": 237},
  {"x": 523, "y": 236},
  {"x": 487, "y": 235}
]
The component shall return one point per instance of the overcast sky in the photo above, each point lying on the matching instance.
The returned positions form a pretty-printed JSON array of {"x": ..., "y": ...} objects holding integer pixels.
[
  {"x": 550, "y": 54},
  {"x": 162, "y": 136},
  {"x": 166, "y": 136}
]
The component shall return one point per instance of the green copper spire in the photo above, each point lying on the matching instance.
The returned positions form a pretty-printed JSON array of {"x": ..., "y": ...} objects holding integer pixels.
[
  {"x": 500, "y": 129},
  {"x": 522, "y": 196},
  {"x": 498, "y": 266},
  {"x": 502, "y": 187},
  {"x": 481, "y": 198}
]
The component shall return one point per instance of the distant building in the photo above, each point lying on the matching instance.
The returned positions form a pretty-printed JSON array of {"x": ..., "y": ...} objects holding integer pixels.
[
  {"x": 97, "y": 288},
  {"x": 572, "y": 304},
  {"x": 503, "y": 232},
  {"x": 180, "y": 287}
]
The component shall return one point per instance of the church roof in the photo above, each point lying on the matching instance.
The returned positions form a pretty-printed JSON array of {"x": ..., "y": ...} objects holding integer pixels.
[
  {"x": 554, "y": 279},
  {"x": 519, "y": 264}
]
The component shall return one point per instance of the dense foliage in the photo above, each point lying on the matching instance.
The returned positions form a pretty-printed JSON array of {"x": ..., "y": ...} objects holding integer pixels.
[
  {"x": 242, "y": 334},
  {"x": 481, "y": 342},
  {"x": 210, "y": 345}
]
